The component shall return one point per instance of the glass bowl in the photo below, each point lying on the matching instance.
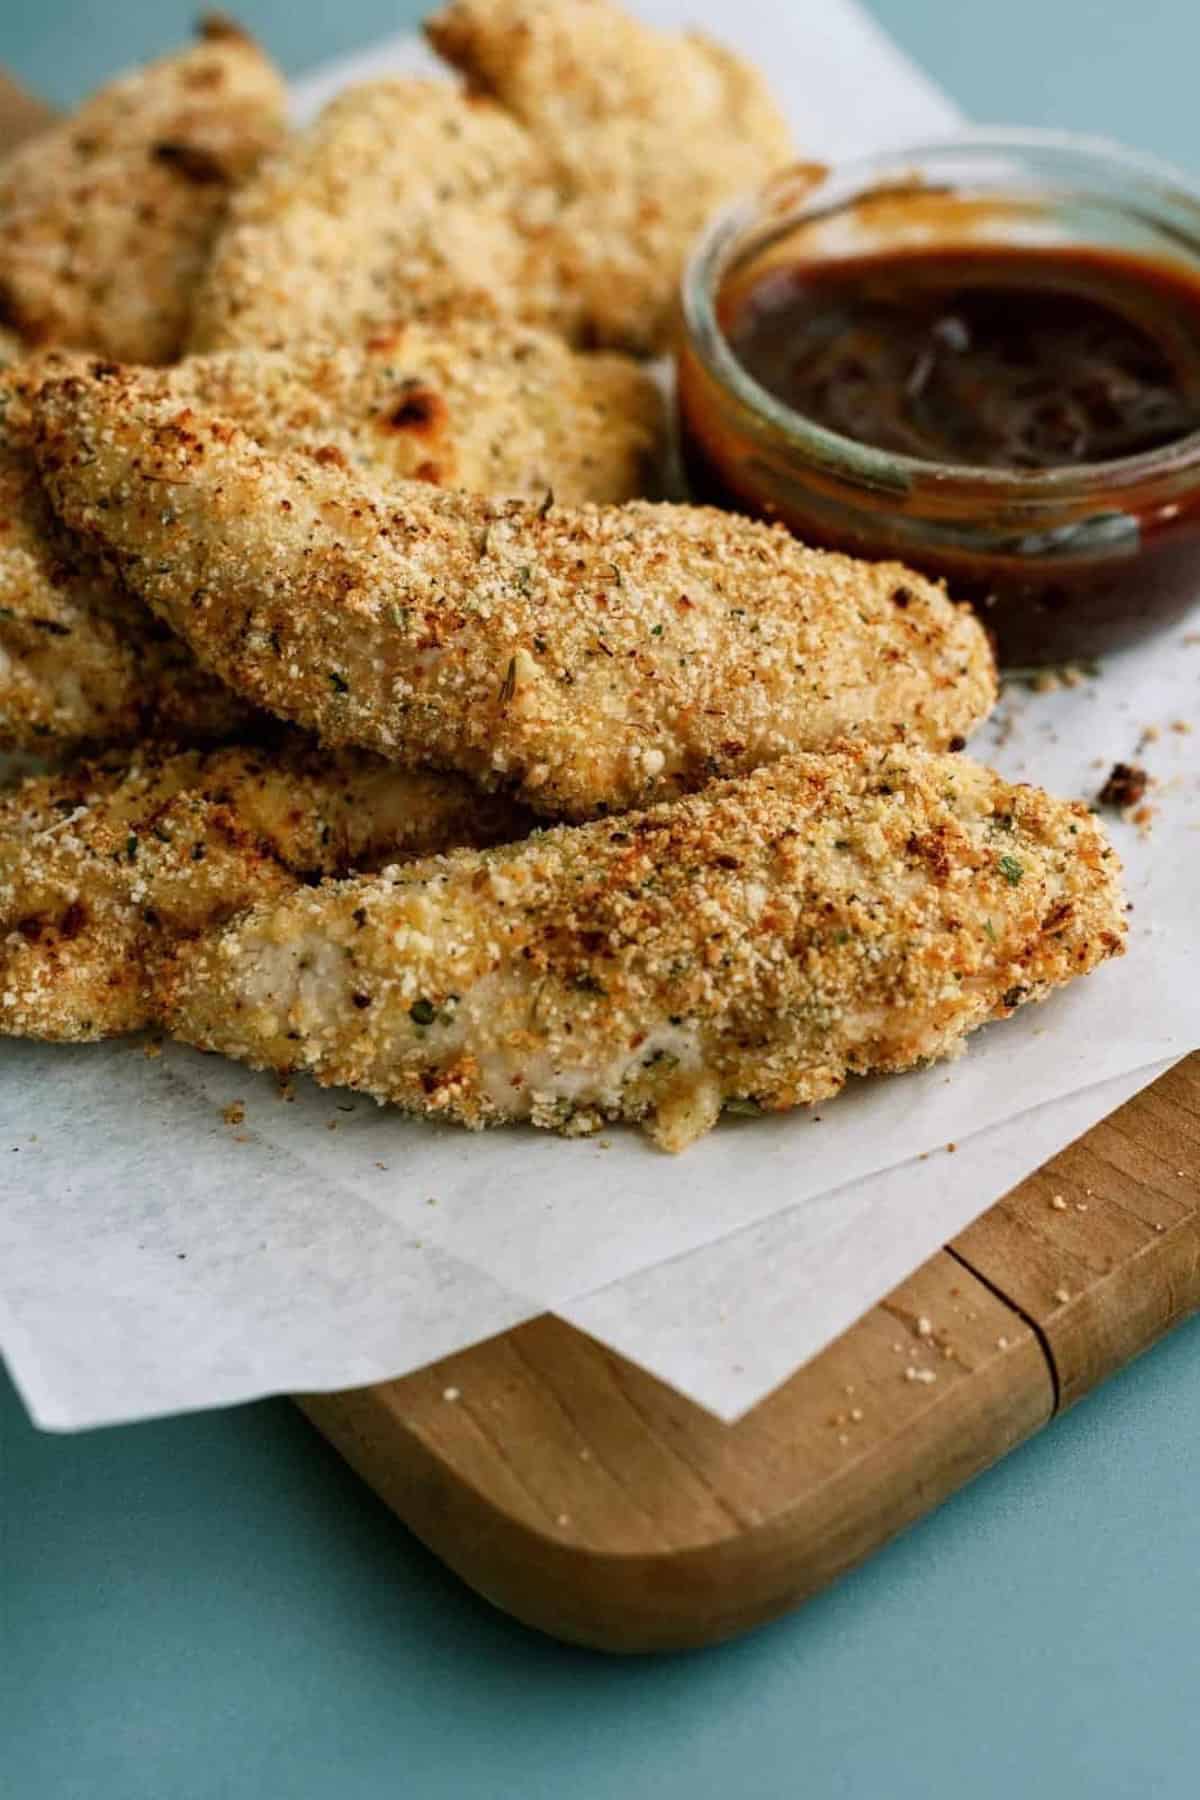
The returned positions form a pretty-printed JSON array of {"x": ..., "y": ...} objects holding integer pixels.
[{"x": 1064, "y": 564}]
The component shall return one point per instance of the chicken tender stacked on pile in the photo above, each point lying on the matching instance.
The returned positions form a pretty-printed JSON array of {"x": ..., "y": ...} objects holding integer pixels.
[
  {"x": 563, "y": 188},
  {"x": 106, "y": 223},
  {"x": 498, "y": 410},
  {"x": 756, "y": 943},
  {"x": 403, "y": 199},
  {"x": 107, "y": 220},
  {"x": 647, "y": 134},
  {"x": 590, "y": 659},
  {"x": 103, "y": 868},
  {"x": 490, "y": 407}
]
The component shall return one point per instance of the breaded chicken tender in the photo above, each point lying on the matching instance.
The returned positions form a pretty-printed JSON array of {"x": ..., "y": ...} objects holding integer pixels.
[
  {"x": 498, "y": 409},
  {"x": 563, "y": 188},
  {"x": 753, "y": 945},
  {"x": 81, "y": 661},
  {"x": 105, "y": 867},
  {"x": 647, "y": 133},
  {"x": 403, "y": 199},
  {"x": 489, "y": 406},
  {"x": 591, "y": 658},
  {"x": 107, "y": 219}
]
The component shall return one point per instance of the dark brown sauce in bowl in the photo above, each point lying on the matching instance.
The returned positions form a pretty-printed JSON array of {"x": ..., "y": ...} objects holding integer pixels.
[
  {"x": 1017, "y": 358},
  {"x": 1017, "y": 415}
]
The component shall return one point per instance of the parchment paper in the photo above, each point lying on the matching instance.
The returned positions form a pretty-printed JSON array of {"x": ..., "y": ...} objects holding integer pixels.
[{"x": 153, "y": 1258}]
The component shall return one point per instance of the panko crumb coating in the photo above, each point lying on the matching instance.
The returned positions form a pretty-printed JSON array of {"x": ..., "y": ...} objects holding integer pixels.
[
  {"x": 107, "y": 219},
  {"x": 587, "y": 658},
  {"x": 647, "y": 133},
  {"x": 81, "y": 660},
  {"x": 748, "y": 947},
  {"x": 563, "y": 188},
  {"x": 104, "y": 867},
  {"x": 403, "y": 199},
  {"x": 489, "y": 406},
  {"x": 499, "y": 409}
]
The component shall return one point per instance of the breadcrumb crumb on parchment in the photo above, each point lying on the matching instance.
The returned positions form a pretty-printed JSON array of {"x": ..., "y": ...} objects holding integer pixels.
[
  {"x": 751, "y": 946},
  {"x": 588, "y": 658}
]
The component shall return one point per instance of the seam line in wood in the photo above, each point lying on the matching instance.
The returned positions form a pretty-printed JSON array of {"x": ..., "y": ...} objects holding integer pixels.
[{"x": 1043, "y": 1341}]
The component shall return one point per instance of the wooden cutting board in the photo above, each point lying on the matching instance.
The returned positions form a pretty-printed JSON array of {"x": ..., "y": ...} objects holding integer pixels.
[
  {"x": 583, "y": 1496},
  {"x": 586, "y": 1498}
]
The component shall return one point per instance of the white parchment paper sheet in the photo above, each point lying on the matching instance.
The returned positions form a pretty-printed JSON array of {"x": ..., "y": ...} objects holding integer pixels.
[{"x": 153, "y": 1258}]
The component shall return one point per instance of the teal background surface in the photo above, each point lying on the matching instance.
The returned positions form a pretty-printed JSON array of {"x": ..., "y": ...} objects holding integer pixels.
[{"x": 212, "y": 1608}]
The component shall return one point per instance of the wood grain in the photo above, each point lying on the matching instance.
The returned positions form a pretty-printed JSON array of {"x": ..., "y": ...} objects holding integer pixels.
[
  {"x": 21, "y": 113},
  {"x": 581, "y": 1495},
  {"x": 588, "y": 1499}
]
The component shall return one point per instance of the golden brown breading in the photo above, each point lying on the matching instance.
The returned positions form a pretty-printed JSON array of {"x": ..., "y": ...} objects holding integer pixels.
[
  {"x": 497, "y": 408},
  {"x": 754, "y": 944},
  {"x": 80, "y": 660},
  {"x": 591, "y": 658},
  {"x": 489, "y": 406},
  {"x": 107, "y": 219},
  {"x": 402, "y": 198},
  {"x": 647, "y": 133},
  {"x": 571, "y": 203},
  {"x": 105, "y": 867}
]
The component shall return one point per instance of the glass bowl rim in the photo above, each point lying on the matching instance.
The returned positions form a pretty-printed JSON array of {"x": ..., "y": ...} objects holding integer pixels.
[{"x": 846, "y": 456}]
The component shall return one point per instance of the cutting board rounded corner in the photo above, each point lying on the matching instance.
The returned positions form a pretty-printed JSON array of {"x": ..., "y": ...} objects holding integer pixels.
[
  {"x": 587, "y": 1499},
  {"x": 591, "y": 1502}
]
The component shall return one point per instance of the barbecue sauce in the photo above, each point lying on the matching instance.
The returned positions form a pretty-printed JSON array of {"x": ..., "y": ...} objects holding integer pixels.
[
  {"x": 1023, "y": 358},
  {"x": 1020, "y": 358}
]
